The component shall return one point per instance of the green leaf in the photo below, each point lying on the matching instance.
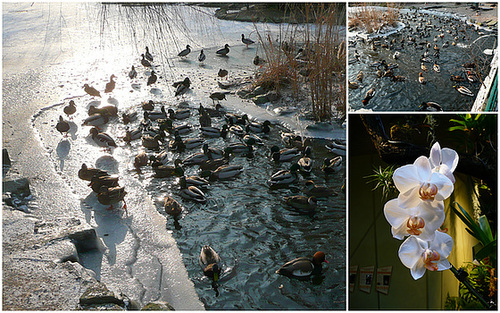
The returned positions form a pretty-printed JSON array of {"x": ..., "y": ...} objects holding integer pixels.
[
  {"x": 485, "y": 227},
  {"x": 475, "y": 231},
  {"x": 486, "y": 251},
  {"x": 456, "y": 128},
  {"x": 458, "y": 122}
]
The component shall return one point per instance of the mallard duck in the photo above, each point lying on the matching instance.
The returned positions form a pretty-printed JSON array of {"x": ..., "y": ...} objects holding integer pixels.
[
  {"x": 205, "y": 120},
  {"x": 239, "y": 149},
  {"x": 222, "y": 73},
  {"x": 171, "y": 206},
  {"x": 360, "y": 76},
  {"x": 312, "y": 190},
  {"x": 70, "y": 109},
  {"x": 107, "y": 110},
  {"x": 148, "y": 105},
  {"x": 284, "y": 155},
  {"x": 141, "y": 159},
  {"x": 303, "y": 267},
  {"x": 291, "y": 140},
  {"x": 163, "y": 171},
  {"x": 210, "y": 165},
  {"x": 145, "y": 62},
  {"x": 153, "y": 116},
  {"x": 258, "y": 60},
  {"x": 185, "y": 52},
  {"x": 179, "y": 114},
  {"x": 183, "y": 87},
  {"x": 464, "y": 90},
  {"x": 469, "y": 65},
  {"x": 192, "y": 143},
  {"x": 110, "y": 86},
  {"x": 212, "y": 112},
  {"x": 133, "y": 73},
  {"x": 152, "y": 78},
  {"x": 105, "y": 180},
  {"x": 63, "y": 126},
  {"x": 436, "y": 68},
  {"x": 182, "y": 129},
  {"x": 224, "y": 51},
  {"x": 214, "y": 132},
  {"x": 198, "y": 181},
  {"x": 430, "y": 107},
  {"x": 236, "y": 119},
  {"x": 193, "y": 193},
  {"x": 91, "y": 91},
  {"x": 212, "y": 153},
  {"x": 302, "y": 203},
  {"x": 148, "y": 55},
  {"x": 218, "y": 95},
  {"x": 398, "y": 78},
  {"x": 86, "y": 173},
  {"x": 108, "y": 196},
  {"x": 257, "y": 128},
  {"x": 368, "y": 96},
  {"x": 159, "y": 159},
  {"x": 129, "y": 117},
  {"x": 457, "y": 78},
  {"x": 421, "y": 78},
  {"x": 246, "y": 41},
  {"x": 132, "y": 135},
  {"x": 284, "y": 177},
  {"x": 102, "y": 139},
  {"x": 194, "y": 159},
  {"x": 223, "y": 172},
  {"x": 471, "y": 77},
  {"x": 423, "y": 67},
  {"x": 237, "y": 130},
  {"x": 252, "y": 139},
  {"x": 353, "y": 85},
  {"x": 332, "y": 165},
  {"x": 210, "y": 263},
  {"x": 202, "y": 56},
  {"x": 151, "y": 142},
  {"x": 305, "y": 162}
]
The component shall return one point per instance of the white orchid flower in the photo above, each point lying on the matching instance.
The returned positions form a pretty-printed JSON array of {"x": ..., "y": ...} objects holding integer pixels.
[
  {"x": 419, "y": 255},
  {"x": 417, "y": 182},
  {"x": 443, "y": 161},
  {"x": 422, "y": 220}
]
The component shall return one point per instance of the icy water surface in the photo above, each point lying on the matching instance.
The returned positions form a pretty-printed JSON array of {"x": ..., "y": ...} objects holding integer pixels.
[
  {"x": 243, "y": 220},
  {"x": 409, "y": 95}
]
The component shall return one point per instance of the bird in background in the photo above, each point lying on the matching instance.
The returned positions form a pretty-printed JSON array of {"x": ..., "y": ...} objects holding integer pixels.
[
  {"x": 91, "y": 91},
  {"x": 133, "y": 73},
  {"x": 145, "y": 62},
  {"x": 202, "y": 56},
  {"x": 224, "y": 51},
  {"x": 185, "y": 52},
  {"x": 222, "y": 73},
  {"x": 246, "y": 41},
  {"x": 148, "y": 55},
  {"x": 70, "y": 109},
  {"x": 152, "y": 79},
  {"x": 110, "y": 86}
]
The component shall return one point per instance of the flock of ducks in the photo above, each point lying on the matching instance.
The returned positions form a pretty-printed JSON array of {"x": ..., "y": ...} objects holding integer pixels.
[
  {"x": 419, "y": 39},
  {"x": 161, "y": 130}
]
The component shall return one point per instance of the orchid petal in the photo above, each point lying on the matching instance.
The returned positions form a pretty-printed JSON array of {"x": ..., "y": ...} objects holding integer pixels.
[
  {"x": 406, "y": 177},
  {"x": 442, "y": 244},
  {"x": 450, "y": 158},
  {"x": 433, "y": 216},
  {"x": 411, "y": 251},
  {"x": 394, "y": 214},
  {"x": 424, "y": 169},
  {"x": 410, "y": 198},
  {"x": 444, "y": 185},
  {"x": 443, "y": 264},
  {"x": 435, "y": 155},
  {"x": 418, "y": 270}
]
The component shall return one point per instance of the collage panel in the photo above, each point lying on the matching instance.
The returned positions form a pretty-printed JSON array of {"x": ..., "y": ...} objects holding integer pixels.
[
  {"x": 422, "y": 56},
  {"x": 422, "y": 197}
]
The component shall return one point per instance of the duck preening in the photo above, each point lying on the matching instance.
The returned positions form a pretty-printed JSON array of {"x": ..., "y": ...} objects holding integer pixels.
[
  {"x": 224, "y": 51},
  {"x": 210, "y": 263},
  {"x": 303, "y": 267}
]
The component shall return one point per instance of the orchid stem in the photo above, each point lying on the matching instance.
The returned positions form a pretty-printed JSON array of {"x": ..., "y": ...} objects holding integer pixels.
[{"x": 461, "y": 275}]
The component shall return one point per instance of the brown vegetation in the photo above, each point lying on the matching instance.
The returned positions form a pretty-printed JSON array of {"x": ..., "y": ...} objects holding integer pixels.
[{"x": 372, "y": 19}]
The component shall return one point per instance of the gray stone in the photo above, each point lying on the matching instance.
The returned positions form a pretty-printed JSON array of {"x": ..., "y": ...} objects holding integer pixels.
[
  {"x": 98, "y": 294},
  {"x": 85, "y": 240},
  {"x": 158, "y": 306},
  {"x": 260, "y": 99},
  {"x": 18, "y": 187}
]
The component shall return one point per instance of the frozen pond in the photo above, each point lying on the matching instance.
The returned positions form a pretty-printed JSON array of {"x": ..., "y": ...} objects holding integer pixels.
[
  {"x": 424, "y": 31},
  {"x": 245, "y": 221}
]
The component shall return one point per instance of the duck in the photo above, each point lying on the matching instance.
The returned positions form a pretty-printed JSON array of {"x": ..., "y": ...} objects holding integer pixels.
[
  {"x": 252, "y": 139},
  {"x": 421, "y": 78},
  {"x": 471, "y": 77},
  {"x": 70, "y": 109},
  {"x": 140, "y": 159},
  {"x": 148, "y": 105},
  {"x": 305, "y": 162},
  {"x": 148, "y": 55},
  {"x": 153, "y": 116},
  {"x": 239, "y": 149},
  {"x": 302, "y": 203},
  {"x": 102, "y": 139},
  {"x": 183, "y": 87},
  {"x": 205, "y": 120},
  {"x": 91, "y": 91},
  {"x": 210, "y": 263},
  {"x": 159, "y": 159},
  {"x": 152, "y": 78},
  {"x": 464, "y": 90},
  {"x": 185, "y": 52},
  {"x": 63, "y": 126},
  {"x": 193, "y": 193},
  {"x": 313, "y": 190},
  {"x": 360, "y": 76},
  {"x": 132, "y": 135},
  {"x": 107, "y": 110},
  {"x": 457, "y": 78},
  {"x": 291, "y": 140},
  {"x": 171, "y": 206},
  {"x": 223, "y": 172},
  {"x": 151, "y": 142},
  {"x": 106, "y": 180},
  {"x": 303, "y": 267},
  {"x": 258, "y": 60},
  {"x": 218, "y": 95},
  {"x": 108, "y": 196},
  {"x": 237, "y": 130},
  {"x": 86, "y": 173},
  {"x": 212, "y": 112},
  {"x": 210, "y": 165},
  {"x": 430, "y": 106},
  {"x": 257, "y": 128},
  {"x": 470, "y": 65},
  {"x": 332, "y": 165},
  {"x": 182, "y": 129},
  {"x": 423, "y": 67},
  {"x": 163, "y": 171},
  {"x": 233, "y": 119},
  {"x": 224, "y": 51},
  {"x": 396, "y": 55},
  {"x": 368, "y": 96},
  {"x": 353, "y": 85},
  {"x": 212, "y": 153},
  {"x": 110, "y": 86},
  {"x": 196, "y": 158},
  {"x": 284, "y": 177},
  {"x": 214, "y": 132},
  {"x": 222, "y": 73},
  {"x": 202, "y": 56},
  {"x": 179, "y": 114},
  {"x": 246, "y": 41},
  {"x": 192, "y": 181},
  {"x": 398, "y": 78},
  {"x": 133, "y": 73},
  {"x": 284, "y": 155},
  {"x": 436, "y": 68},
  {"x": 192, "y": 143},
  {"x": 145, "y": 62}
]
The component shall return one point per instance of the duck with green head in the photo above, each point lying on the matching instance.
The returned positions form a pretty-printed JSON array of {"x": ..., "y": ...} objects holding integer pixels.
[
  {"x": 164, "y": 171},
  {"x": 223, "y": 172},
  {"x": 284, "y": 178}
]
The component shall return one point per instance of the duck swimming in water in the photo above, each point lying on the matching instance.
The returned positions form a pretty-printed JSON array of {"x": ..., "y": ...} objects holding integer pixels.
[
  {"x": 303, "y": 267},
  {"x": 210, "y": 263},
  {"x": 430, "y": 107}
]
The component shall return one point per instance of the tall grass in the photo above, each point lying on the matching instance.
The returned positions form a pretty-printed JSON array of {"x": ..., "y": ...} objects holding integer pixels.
[
  {"x": 372, "y": 19},
  {"x": 320, "y": 73}
]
